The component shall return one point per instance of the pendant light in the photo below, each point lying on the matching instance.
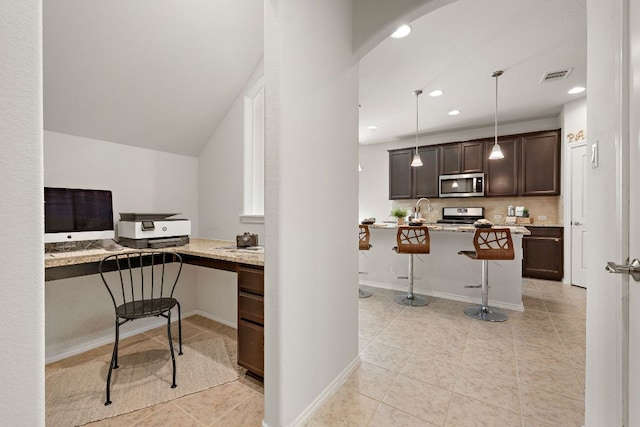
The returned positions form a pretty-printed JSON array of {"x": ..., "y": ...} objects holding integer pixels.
[
  {"x": 416, "y": 157},
  {"x": 496, "y": 152}
]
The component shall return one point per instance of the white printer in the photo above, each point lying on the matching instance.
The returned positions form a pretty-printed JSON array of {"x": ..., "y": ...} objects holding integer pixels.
[{"x": 152, "y": 230}]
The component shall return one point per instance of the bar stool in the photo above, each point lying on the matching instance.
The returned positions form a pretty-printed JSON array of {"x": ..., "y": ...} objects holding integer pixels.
[
  {"x": 490, "y": 244},
  {"x": 364, "y": 245},
  {"x": 412, "y": 240}
]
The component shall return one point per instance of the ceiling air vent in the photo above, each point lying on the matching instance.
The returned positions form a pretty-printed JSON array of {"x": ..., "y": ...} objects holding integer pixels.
[{"x": 555, "y": 75}]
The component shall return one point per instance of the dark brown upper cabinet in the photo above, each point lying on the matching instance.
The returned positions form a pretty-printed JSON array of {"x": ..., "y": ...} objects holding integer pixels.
[
  {"x": 400, "y": 174},
  {"x": 502, "y": 174},
  {"x": 531, "y": 165},
  {"x": 425, "y": 183},
  {"x": 462, "y": 157},
  {"x": 406, "y": 182},
  {"x": 540, "y": 167}
]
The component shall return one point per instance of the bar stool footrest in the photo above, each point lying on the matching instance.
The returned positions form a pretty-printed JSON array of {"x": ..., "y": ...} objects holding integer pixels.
[{"x": 485, "y": 313}]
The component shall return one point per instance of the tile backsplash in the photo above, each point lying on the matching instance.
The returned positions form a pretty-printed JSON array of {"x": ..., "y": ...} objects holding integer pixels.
[{"x": 540, "y": 206}]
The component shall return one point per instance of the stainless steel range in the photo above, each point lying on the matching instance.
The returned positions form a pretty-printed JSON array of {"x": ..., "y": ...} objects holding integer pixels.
[{"x": 461, "y": 215}]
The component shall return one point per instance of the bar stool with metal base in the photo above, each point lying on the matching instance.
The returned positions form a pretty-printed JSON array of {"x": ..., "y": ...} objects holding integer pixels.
[
  {"x": 490, "y": 244},
  {"x": 364, "y": 245},
  {"x": 412, "y": 240}
]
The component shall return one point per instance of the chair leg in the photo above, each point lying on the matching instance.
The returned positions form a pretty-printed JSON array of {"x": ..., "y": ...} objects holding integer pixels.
[
  {"x": 411, "y": 299},
  {"x": 363, "y": 294},
  {"x": 173, "y": 357},
  {"x": 483, "y": 311},
  {"x": 113, "y": 364},
  {"x": 179, "y": 330}
]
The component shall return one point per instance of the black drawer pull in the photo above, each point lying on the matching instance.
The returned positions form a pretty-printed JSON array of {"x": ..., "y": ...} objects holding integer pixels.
[{"x": 251, "y": 296}]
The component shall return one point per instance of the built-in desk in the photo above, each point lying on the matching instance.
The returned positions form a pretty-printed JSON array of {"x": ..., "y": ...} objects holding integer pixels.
[{"x": 218, "y": 254}]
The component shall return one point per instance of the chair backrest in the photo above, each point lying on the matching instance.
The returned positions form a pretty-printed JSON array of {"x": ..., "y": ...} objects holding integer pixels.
[
  {"x": 493, "y": 243},
  {"x": 413, "y": 240},
  {"x": 365, "y": 236},
  {"x": 140, "y": 276}
]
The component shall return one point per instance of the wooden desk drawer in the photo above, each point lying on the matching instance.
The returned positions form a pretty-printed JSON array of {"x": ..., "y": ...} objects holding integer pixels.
[
  {"x": 251, "y": 307},
  {"x": 251, "y": 347},
  {"x": 251, "y": 280}
]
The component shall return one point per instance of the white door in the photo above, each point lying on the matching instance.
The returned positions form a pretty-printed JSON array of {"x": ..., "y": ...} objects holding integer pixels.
[
  {"x": 634, "y": 215},
  {"x": 578, "y": 214}
]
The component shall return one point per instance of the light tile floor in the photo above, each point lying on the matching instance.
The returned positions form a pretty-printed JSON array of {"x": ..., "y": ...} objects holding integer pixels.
[
  {"x": 238, "y": 403},
  {"x": 434, "y": 366},
  {"x": 429, "y": 366}
]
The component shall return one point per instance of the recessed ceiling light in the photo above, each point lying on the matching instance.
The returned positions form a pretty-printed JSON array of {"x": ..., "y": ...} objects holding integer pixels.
[
  {"x": 372, "y": 127},
  {"x": 454, "y": 112},
  {"x": 436, "y": 92},
  {"x": 577, "y": 89},
  {"x": 402, "y": 31}
]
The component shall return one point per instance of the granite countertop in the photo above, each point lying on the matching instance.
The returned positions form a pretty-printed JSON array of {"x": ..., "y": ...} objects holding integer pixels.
[
  {"x": 225, "y": 250},
  {"x": 540, "y": 225},
  {"x": 453, "y": 228}
]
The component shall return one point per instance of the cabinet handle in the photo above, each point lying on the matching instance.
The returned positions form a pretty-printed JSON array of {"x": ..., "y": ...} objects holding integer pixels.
[{"x": 251, "y": 296}]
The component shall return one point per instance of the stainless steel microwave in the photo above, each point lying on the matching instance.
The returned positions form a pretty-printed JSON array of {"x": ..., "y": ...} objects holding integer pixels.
[{"x": 463, "y": 185}]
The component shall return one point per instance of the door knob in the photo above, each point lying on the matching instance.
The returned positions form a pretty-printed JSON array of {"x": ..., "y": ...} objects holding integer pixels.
[
  {"x": 576, "y": 223},
  {"x": 633, "y": 269}
]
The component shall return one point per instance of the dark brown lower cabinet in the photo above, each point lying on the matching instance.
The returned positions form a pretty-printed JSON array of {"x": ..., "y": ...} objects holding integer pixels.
[
  {"x": 251, "y": 319},
  {"x": 543, "y": 253}
]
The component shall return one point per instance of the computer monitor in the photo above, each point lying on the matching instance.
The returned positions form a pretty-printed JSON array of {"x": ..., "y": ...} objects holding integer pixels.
[{"x": 72, "y": 214}]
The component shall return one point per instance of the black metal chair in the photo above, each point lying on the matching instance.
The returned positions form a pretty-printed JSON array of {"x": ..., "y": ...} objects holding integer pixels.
[{"x": 141, "y": 284}]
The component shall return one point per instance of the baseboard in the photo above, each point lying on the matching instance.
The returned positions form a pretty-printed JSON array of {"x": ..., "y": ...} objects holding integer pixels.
[
  {"x": 210, "y": 316},
  {"x": 310, "y": 410},
  {"x": 108, "y": 338},
  {"x": 419, "y": 291}
]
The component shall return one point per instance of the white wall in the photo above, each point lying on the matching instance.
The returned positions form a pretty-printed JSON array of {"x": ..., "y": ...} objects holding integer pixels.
[
  {"x": 374, "y": 159},
  {"x": 79, "y": 314},
  {"x": 221, "y": 175},
  {"x": 141, "y": 180},
  {"x": 311, "y": 279},
  {"x": 21, "y": 212},
  {"x": 220, "y": 203}
]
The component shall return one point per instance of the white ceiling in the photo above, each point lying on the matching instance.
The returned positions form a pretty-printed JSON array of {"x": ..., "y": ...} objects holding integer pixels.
[
  {"x": 162, "y": 74},
  {"x": 159, "y": 74},
  {"x": 456, "y": 48}
]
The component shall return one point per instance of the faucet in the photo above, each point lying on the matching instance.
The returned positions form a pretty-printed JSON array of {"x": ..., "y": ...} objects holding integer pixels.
[{"x": 417, "y": 209}]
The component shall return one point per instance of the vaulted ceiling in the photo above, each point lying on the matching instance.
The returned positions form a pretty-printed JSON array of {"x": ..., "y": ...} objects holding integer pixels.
[
  {"x": 162, "y": 74},
  {"x": 158, "y": 74}
]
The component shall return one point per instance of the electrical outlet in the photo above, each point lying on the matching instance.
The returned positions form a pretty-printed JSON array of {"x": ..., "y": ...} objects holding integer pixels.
[
  {"x": 393, "y": 270},
  {"x": 542, "y": 217},
  {"x": 497, "y": 216}
]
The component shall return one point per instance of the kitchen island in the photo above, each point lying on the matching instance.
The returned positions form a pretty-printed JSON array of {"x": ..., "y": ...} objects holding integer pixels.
[{"x": 443, "y": 273}]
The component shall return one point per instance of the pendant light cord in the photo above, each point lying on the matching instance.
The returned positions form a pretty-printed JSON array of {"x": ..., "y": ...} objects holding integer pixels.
[
  {"x": 417, "y": 93},
  {"x": 496, "y": 74},
  {"x": 496, "y": 112}
]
